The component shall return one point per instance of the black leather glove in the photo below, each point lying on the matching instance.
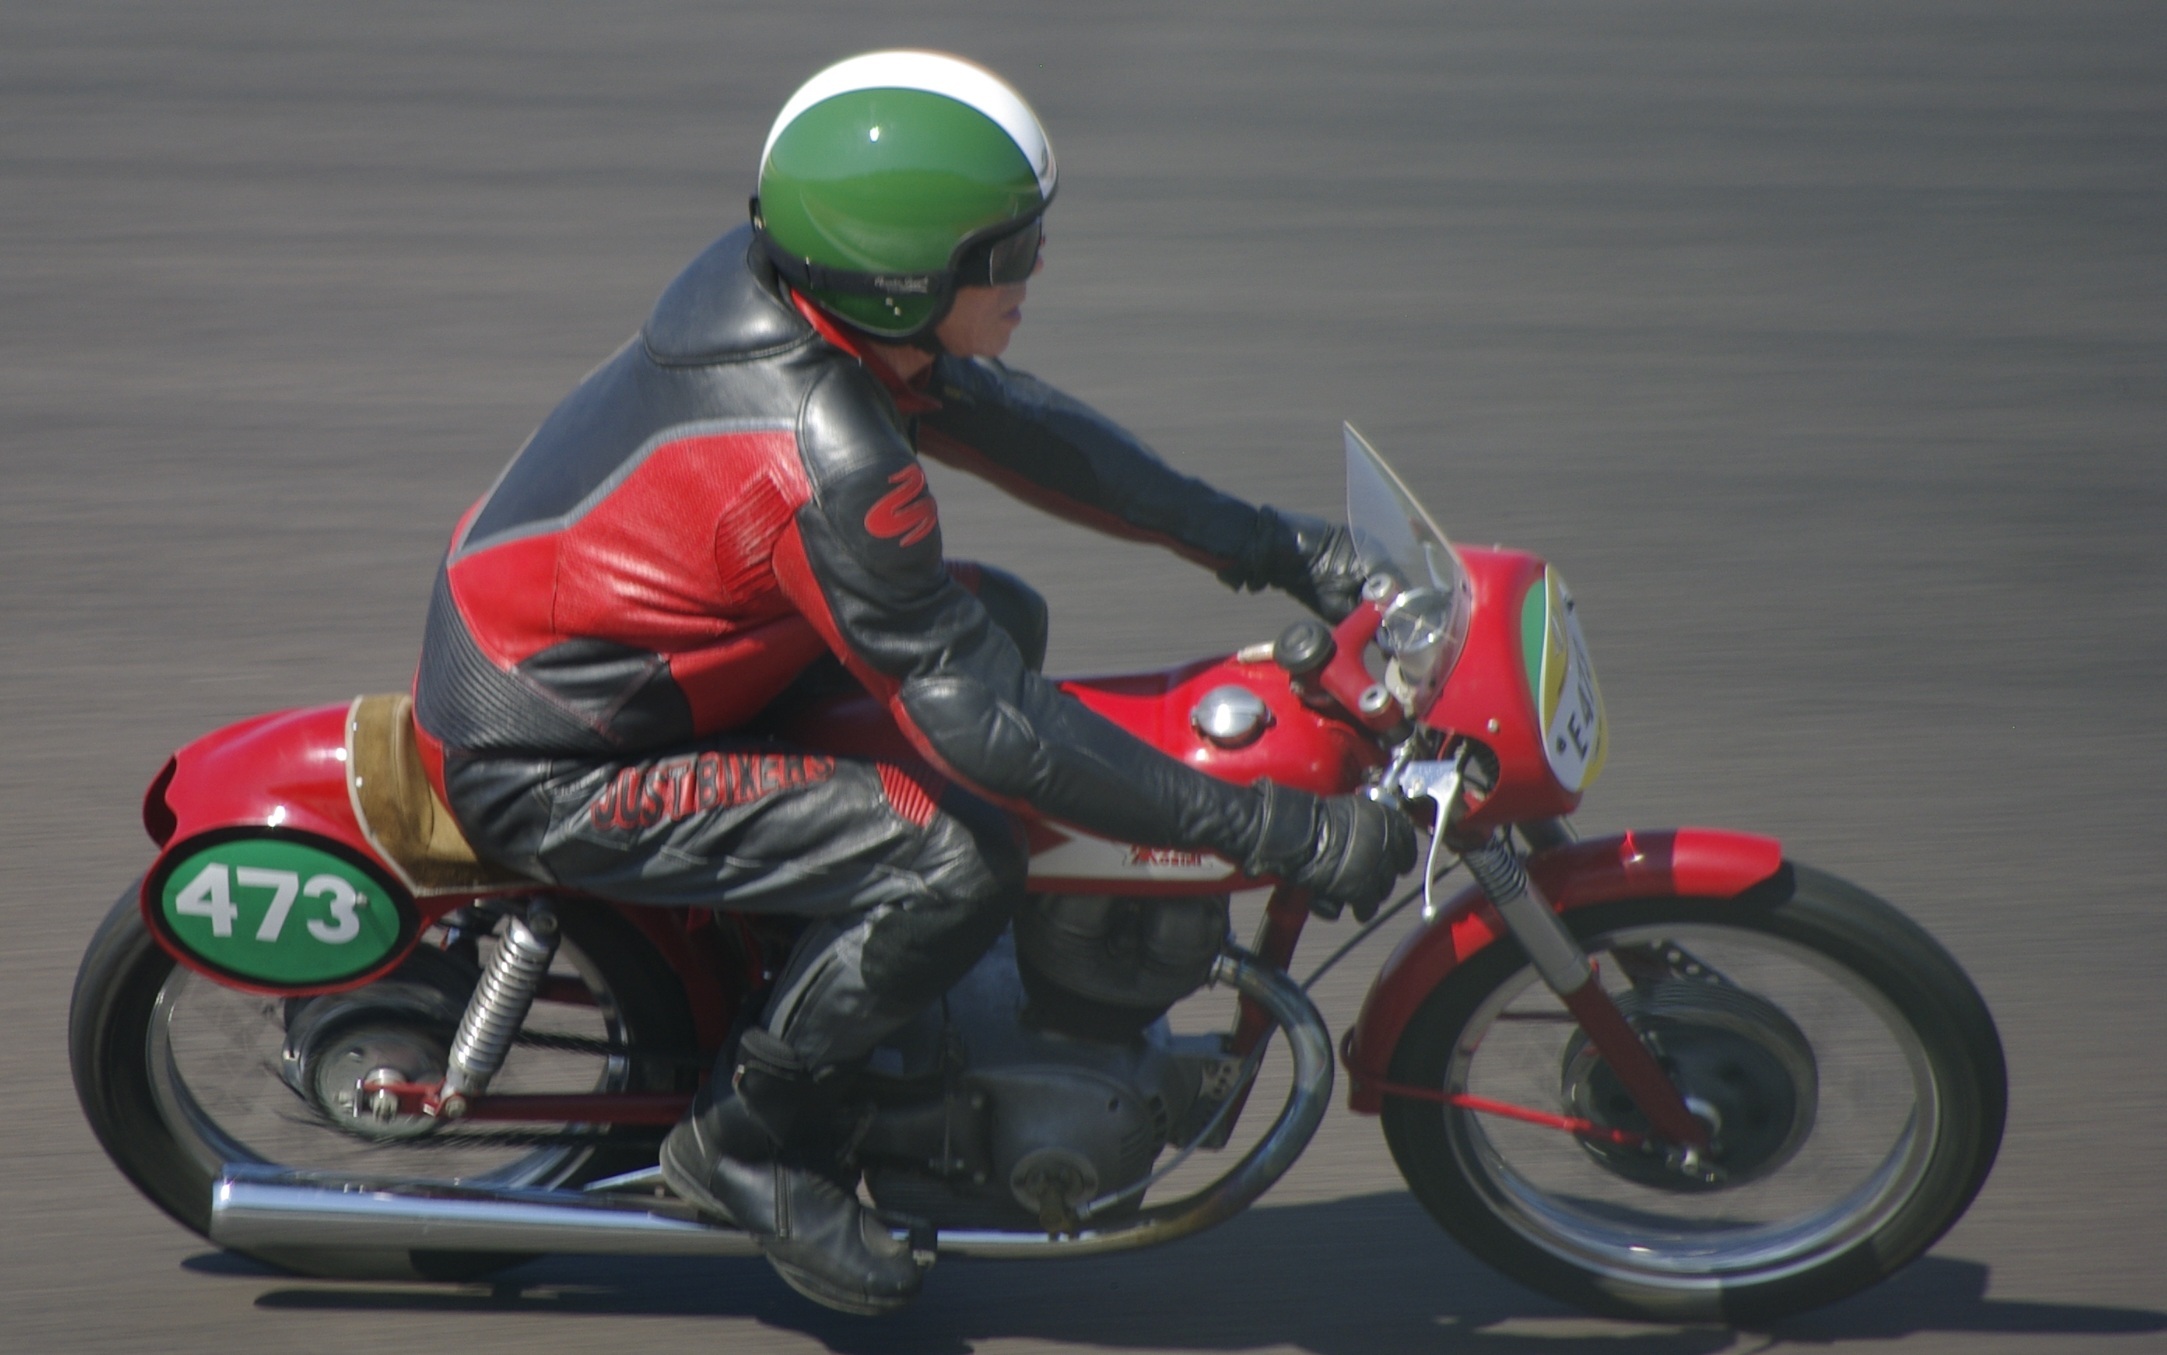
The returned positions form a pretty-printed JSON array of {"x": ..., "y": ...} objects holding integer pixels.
[
  {"x": 1346, "y": 851},
  {"x": 1308, "y": 558}
]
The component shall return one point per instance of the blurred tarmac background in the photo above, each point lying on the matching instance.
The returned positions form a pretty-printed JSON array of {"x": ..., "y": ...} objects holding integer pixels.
[{"x": 1821, "y": 345}]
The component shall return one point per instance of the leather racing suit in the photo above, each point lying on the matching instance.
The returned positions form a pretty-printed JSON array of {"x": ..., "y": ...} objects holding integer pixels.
[{"x": 726, "y": 502}]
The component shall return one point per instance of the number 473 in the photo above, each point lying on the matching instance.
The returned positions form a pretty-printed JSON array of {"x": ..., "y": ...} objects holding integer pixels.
[{"x": 210, "y": 895}]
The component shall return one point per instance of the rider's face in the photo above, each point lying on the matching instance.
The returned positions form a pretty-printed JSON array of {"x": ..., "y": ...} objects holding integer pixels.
[{"x": 982, "y": 320}]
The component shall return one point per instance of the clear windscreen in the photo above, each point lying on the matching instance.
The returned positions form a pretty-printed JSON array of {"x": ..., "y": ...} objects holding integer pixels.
[
  {"x": 1426, "y": 626},
  {"x": 1390, "y": 528}
]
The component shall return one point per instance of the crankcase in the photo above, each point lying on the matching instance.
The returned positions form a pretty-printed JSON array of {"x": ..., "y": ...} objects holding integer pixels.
[{"x": 1064, "y": 1120}]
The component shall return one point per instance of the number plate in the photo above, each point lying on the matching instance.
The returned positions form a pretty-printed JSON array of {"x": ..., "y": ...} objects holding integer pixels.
[
  {"x": 1568, "y": 701},
  {"x": 280, "y": 910}
]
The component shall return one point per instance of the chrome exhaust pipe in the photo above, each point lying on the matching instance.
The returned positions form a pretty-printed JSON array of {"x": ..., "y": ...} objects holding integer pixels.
[
  {"x": 333, "y": 1224},
  {"x": 270, "y": 1210}
]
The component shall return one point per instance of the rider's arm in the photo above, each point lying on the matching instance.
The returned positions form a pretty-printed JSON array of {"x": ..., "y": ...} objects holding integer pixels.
[
  {"x": 862, "y": 560},
  {"x": 1061, "y": 455}
]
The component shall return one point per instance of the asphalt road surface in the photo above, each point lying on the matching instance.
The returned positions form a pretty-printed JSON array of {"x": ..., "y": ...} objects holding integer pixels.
[{"x": 1823, "y": 346}]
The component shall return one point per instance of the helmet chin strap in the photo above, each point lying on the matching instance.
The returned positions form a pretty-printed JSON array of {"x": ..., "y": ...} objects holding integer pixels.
[{"x": 927, "y": 338}]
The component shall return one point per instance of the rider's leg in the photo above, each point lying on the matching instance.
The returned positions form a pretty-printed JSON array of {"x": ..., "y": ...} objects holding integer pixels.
[
  {"x": 854, "y": 978},
  {"x": 909, "y": 884},
  {"x": 762, "y": 1147}
]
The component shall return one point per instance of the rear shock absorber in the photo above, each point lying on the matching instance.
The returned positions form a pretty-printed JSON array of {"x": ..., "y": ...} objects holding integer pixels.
[{"x": 498, "y": 1008}]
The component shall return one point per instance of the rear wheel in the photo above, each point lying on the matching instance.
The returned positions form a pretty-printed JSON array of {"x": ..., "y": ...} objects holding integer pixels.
[
  {"x": 179, "y": 1075},
  {"x": 1851, "y": 1070}
]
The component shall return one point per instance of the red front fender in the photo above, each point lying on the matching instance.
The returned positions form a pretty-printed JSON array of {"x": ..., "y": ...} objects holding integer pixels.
[{"x": 1675, "y": 863}]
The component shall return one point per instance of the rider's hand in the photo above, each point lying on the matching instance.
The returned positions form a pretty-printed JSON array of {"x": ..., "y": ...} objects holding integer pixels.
[
  {"x": 1308, "y": 558},
  {"x": 1346, "y": 851}
]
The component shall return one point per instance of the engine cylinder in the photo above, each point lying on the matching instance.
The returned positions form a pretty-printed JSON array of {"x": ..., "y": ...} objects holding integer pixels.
[{"x": 1105, "y": 966}]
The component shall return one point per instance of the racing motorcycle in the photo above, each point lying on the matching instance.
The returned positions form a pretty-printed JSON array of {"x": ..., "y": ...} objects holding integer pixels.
[{"x": 1664, "y": 1074}]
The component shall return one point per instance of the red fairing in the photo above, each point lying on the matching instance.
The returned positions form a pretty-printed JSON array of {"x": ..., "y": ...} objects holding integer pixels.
[
  {"x": 1706, "y": 863},
  {"x": 1489, "y": 700},
  {"x": 285, "y": 770},
  {"x": 282, "y": 770}
]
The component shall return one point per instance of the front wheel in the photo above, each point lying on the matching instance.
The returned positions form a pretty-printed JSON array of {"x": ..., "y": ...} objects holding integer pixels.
[{"x": 1851, "y": 1071}]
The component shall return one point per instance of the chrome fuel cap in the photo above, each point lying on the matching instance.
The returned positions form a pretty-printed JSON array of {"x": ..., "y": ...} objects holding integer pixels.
[{"x": 1230, "y": 716}]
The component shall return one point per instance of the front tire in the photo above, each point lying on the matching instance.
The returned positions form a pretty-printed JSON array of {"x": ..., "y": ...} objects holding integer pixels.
[
  {"x": 179, "y": 1075},
  {"x": 1911, "y": 1093}
]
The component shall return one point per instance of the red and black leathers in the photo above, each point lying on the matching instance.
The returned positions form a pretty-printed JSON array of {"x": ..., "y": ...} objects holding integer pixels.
[{"x": 732, "y": 496}]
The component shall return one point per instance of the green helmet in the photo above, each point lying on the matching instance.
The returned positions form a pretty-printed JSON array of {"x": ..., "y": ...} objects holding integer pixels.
[{"x": 893, "y": 178}]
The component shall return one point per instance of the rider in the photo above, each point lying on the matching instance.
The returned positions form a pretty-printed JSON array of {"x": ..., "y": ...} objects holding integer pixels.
[{"x": 732, "y": 503}]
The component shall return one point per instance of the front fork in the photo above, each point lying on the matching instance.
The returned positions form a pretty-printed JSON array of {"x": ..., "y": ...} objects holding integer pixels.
[{"x": 1565, "y": 968}]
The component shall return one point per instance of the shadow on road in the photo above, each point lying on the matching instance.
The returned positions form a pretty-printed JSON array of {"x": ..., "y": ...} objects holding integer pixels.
[{"x": 1364, "y": 1276}]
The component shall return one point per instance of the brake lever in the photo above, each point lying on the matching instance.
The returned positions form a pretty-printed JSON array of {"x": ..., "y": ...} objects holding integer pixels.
[{"x": 1439, "y": 783}]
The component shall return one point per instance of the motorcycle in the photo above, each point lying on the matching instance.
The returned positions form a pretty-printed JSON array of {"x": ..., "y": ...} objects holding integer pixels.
[{"x": 1664, "y": 1074}]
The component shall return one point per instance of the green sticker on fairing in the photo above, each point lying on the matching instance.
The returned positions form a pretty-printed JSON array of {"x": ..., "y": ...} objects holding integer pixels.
[
  {"x": 1534, "y": 625},
  {"x": 279, "y": 912}
]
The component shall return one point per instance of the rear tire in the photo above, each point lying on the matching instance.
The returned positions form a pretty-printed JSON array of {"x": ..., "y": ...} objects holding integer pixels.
[
  {"x": 1549, "y": 1215},
  {"x": 122, "y": 992}
]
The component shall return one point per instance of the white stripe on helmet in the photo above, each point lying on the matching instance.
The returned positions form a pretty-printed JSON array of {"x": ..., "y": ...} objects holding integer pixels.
[{"x": 935, "y": 73}]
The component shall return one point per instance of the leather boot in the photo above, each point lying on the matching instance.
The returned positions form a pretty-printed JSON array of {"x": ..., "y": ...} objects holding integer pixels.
[{"x": 759, "y": 1154}]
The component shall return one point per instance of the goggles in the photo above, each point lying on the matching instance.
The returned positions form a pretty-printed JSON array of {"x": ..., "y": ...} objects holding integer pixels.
[
  {"x": 1003, "y": 261},
  {"x": 1003, "y": 257}
]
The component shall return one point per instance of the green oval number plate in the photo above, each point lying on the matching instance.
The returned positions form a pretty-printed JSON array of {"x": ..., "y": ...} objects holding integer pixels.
[{"x": 280, "y": 912}]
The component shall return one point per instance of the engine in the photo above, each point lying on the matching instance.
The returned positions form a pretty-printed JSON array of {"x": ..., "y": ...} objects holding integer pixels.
[{"x": 1048, "y": 1077}]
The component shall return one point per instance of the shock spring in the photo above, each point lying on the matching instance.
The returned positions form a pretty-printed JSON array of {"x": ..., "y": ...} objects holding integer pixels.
[{"x": 499, "y": 1006}]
